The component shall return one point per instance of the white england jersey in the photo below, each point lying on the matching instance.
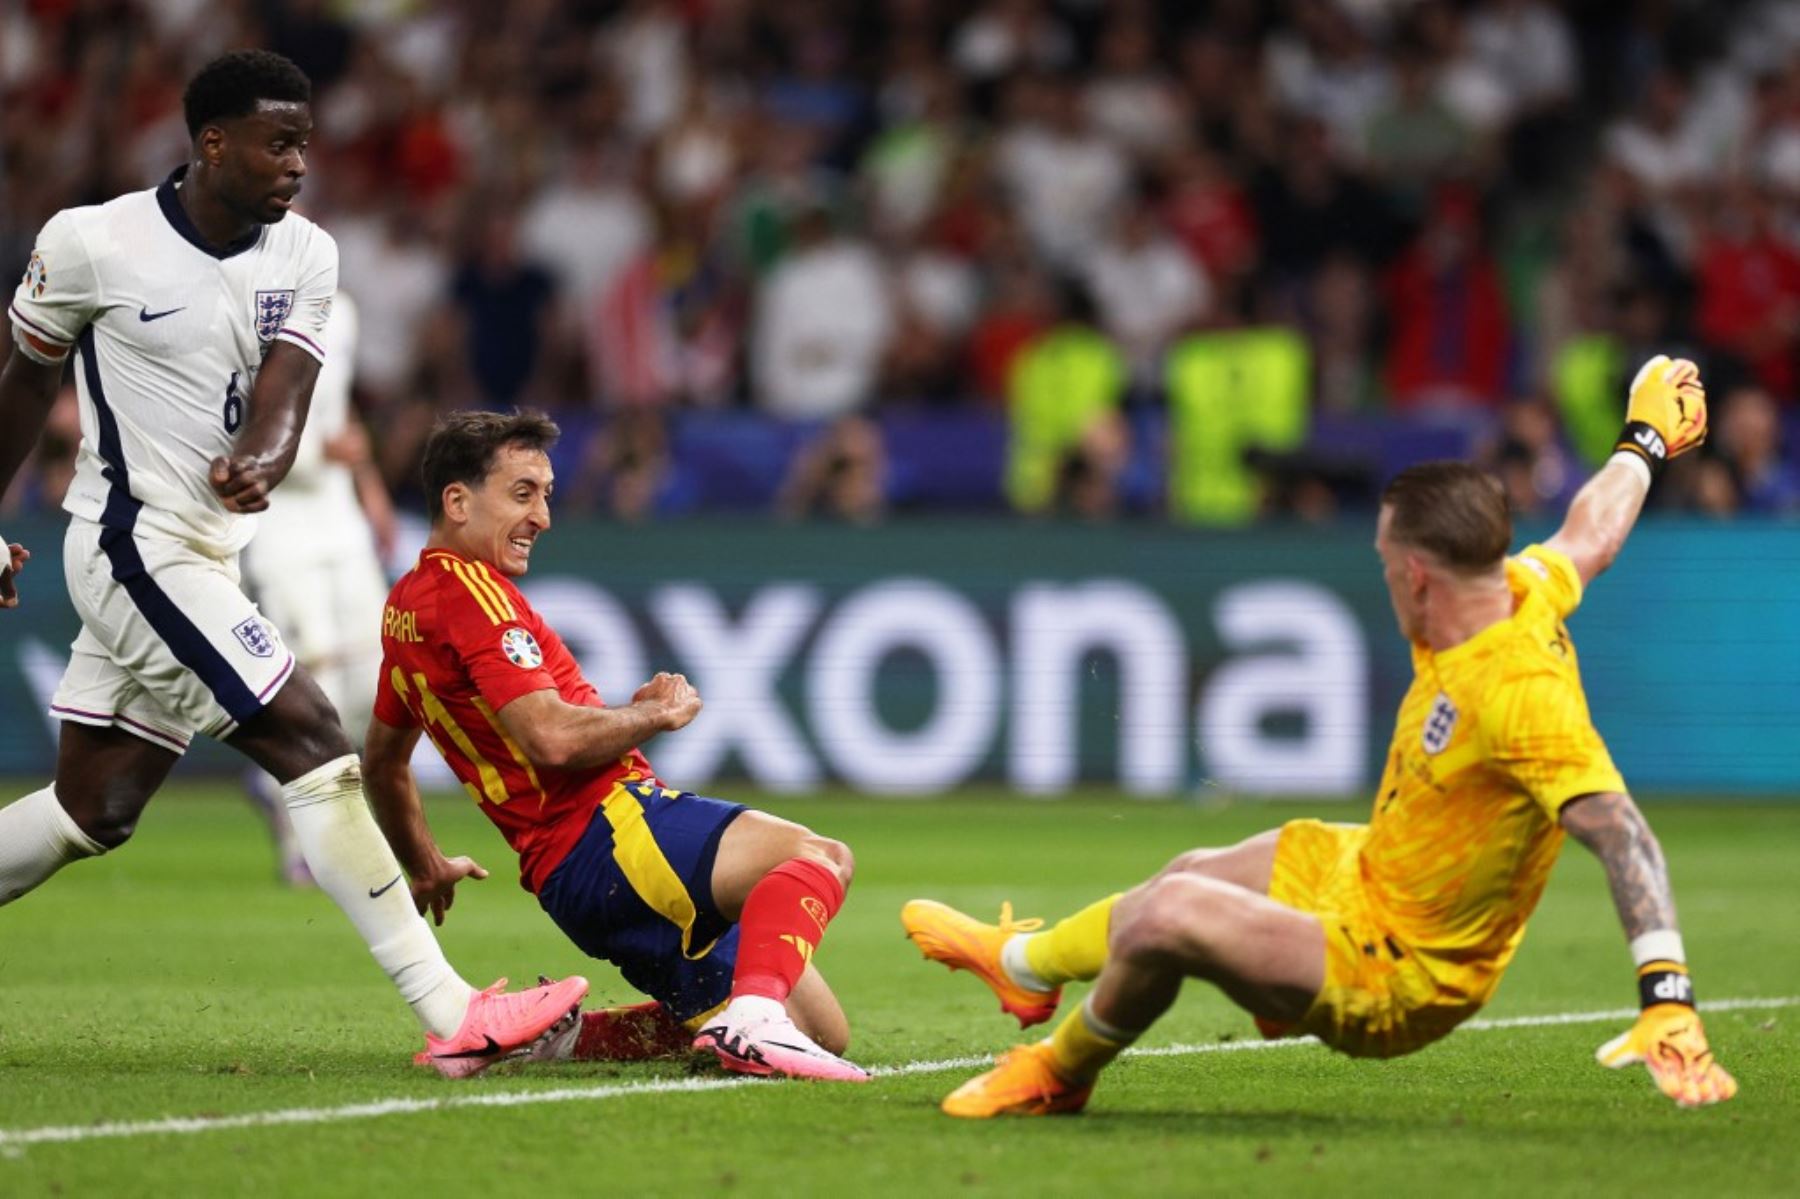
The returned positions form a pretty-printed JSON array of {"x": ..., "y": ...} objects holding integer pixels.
[{"x": 170, "y": 332}]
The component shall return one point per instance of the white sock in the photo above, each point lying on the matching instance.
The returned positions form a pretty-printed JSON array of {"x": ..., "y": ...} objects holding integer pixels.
[
  {"x": 351, "y": 862},
  {"x": 1100, "y": 1028},
  {"x": 1018, "y": 966},
  {"x": 748, "y": 1009},
  {"x": 38, "y": 838}
]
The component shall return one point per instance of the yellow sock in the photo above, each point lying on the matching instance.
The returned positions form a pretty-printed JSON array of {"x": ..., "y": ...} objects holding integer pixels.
[
  {"x": 1074, "y": 948},
  {"x": 1080, "y": 1050}
]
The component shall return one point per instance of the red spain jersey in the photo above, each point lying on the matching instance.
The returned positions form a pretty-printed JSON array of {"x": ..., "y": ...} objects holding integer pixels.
[{"x": 459, "y": 643}]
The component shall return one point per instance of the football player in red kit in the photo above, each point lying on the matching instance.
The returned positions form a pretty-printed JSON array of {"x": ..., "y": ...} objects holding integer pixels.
[{"x": 710, "y": 908}]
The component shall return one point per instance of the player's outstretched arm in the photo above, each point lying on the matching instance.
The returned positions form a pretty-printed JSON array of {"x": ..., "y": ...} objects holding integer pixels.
[
  {"x": 1668, "y": 1037},
  {"x": 394, "y": 794},
  {"x": 564, "y": 736},
  {"x": 1666, "y": 418},
  {"x": 265, "y": 449}
]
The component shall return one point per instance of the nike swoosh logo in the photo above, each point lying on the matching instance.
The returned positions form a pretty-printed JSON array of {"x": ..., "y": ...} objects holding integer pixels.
[
  {"x": 378, "y": 892},
  {"x": 144, "y": 314},
  {"x": 492, "y": 1047}
]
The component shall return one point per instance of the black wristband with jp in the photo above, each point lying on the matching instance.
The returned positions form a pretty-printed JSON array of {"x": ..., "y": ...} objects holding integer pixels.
[{"x": 1642, "y": 439}]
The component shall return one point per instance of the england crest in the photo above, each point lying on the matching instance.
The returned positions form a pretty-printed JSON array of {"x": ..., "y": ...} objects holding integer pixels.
[
  {"x": 254, "y": 636},
  {"x": 272, "y": 308},
  {"x": 1440, "y": 725}
]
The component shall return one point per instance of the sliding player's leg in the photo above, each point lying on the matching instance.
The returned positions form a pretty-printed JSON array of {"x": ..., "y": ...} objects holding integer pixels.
[
  {"x": 1268, "y": 957},
  {"x": 297, "y": 739},
  {"x": 783, "y": 884},
  {"x": 638, "y": 1031},
  {"x": 1026, "y": 968},
  {"x": 104, "y": 777}
]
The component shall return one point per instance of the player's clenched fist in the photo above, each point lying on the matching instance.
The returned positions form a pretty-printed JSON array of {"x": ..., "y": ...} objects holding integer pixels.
[
  {"x": 13, "y": 558},
  {"x": 242, "y": 483},
  {"x": 1666, "y": 416},
  {"x": 1669, "y": 1040},
  {"x": 675, "y": 695}
]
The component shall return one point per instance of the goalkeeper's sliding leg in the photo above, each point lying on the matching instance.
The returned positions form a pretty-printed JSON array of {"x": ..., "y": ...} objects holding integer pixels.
[
  {"x": 1269, "y": 958},
  {"x": 1025, "y": 964}
]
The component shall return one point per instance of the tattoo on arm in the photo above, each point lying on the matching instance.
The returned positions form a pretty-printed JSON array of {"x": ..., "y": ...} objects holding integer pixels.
[{"x": 1610, "y": 825}]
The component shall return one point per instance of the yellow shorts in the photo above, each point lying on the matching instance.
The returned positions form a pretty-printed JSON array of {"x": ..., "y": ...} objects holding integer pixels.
[{"x": 1379, "y": 998}]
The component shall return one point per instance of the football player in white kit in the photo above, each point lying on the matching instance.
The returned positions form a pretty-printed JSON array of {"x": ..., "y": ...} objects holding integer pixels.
[
  {"x": 314, "y": 566},
  {"x": 196, "y": 312}
]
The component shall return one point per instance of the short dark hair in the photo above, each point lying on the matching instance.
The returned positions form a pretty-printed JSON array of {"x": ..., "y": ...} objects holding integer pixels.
[
  {"x": 463, "y": 445},
  {"x": 1453, "y": 511},
  {"x": 231, "y": 84}
]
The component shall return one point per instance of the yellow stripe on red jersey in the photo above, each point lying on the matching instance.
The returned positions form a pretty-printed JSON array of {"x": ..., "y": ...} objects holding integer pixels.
[
  {"x": 487, "y": 596},
  {"x": 459, "y": 643},
  {"x": 1492, "y": 739}
]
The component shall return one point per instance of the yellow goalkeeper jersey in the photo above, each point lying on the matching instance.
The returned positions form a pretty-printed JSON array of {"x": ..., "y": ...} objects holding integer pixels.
[{"x": 1493, "y": 738}]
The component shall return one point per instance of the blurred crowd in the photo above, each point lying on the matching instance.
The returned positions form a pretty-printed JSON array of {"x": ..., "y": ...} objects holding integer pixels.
[{"x": 1213, "y": 260}]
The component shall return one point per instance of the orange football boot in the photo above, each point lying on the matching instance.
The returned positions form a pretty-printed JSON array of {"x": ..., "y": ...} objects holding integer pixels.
[
  {"x": 961, "y": 942},
  {"x": 1022, "y": 1083}
]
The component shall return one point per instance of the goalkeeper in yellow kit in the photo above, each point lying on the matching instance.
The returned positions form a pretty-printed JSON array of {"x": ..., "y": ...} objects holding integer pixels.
[{"x": 1381, "y": 938}]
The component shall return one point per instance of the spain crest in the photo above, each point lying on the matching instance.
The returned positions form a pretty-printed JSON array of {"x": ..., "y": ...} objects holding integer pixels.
[{"x": 272, "y": 308}]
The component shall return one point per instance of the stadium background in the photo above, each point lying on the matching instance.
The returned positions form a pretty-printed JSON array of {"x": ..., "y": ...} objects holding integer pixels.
[{"x": 1000, "y": 392}]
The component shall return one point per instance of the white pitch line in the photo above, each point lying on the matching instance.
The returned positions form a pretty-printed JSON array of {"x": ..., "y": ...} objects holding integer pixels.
[{"x": 13, "y": 1141}]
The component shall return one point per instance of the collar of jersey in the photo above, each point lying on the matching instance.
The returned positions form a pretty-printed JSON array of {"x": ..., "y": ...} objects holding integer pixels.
[
  {"x": 184, "y": 225},
  {"x": 1494, "y": 632}
]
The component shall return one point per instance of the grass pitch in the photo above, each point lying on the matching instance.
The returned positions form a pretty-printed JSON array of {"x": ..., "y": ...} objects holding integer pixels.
[{"x": 176, "y": 980}]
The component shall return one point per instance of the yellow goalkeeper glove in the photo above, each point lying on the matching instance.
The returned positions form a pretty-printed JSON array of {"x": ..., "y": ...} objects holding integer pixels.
[
  {"x": 1667, "y": 414},
  {"x": 1670, "y": 1041}
]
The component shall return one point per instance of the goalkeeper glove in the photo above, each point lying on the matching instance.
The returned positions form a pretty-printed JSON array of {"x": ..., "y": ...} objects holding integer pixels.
[
  {"x": 1669, "y": 1040},
  {"x": 1667, "y": 414}
]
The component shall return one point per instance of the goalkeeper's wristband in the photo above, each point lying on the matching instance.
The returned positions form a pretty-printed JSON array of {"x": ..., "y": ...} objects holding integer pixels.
[
  {"x": 1664, "y": 982},
  {"x": 1641, "y": 439}
]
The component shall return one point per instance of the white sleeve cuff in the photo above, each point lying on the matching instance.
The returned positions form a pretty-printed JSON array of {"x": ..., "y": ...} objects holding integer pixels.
[
  {"x": 1663, "y": 945},
  {"x": 1636, "y": 463},
  {"x": 296, "y": 338}
]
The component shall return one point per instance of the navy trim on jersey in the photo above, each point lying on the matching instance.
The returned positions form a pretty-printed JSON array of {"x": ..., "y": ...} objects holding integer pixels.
[
  {"x": 184, "y": 224},
  {"x": 187, "y": 642},
  {"x": 181, "y": 635},
  {"x": 121, "y": 506}
]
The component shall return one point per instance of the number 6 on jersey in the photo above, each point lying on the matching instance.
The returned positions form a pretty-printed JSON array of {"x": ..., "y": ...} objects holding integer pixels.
[{"x": 234, "y": 405}]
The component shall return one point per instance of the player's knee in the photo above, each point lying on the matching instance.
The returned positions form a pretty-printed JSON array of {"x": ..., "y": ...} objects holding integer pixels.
[
  {"x": 298, "y": 732},
  {"x": 1194, "y": 861},
  {"x": 109, "y": 816},
  {"x": 1162, "y": 918},
  {"x": 835, "y": 856}
]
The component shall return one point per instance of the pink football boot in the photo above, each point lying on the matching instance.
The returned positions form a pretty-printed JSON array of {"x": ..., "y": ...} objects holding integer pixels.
[
  {"x": 498, "y": 1026},
  {"x": 754, "y": 1035}
]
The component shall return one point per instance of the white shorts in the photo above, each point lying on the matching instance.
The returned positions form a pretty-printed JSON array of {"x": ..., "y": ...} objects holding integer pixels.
[
  {"x": 169, "y": 643},
  {"x": 328, "y": 603}
]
